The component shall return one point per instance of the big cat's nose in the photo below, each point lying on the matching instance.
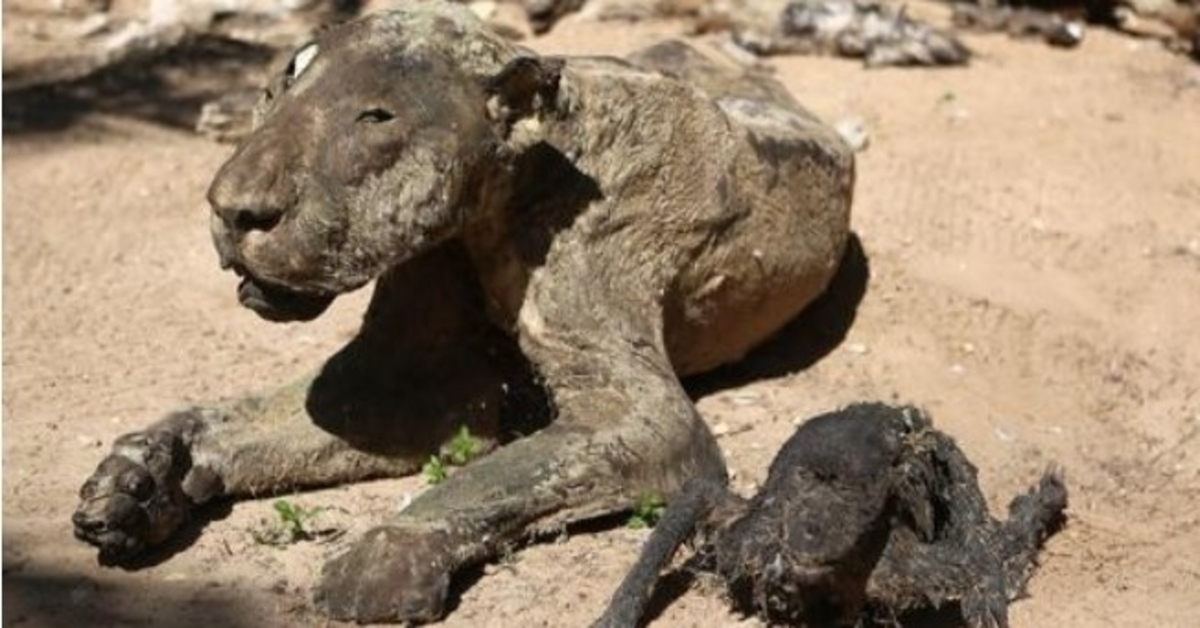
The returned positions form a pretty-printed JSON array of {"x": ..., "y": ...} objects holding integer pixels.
[
  {"x": 246, "y": 218},
  {"x": 252, "y": 191}
]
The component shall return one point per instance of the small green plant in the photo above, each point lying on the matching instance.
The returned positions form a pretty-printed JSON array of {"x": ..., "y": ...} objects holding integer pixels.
[
  {"x": 434, "y": 471},
  {"x": 646, "y": 512},
  {"x": 948, "y": 97},
  {"x": 293, "y": 523},
  {"x": 462, "y": 448}
]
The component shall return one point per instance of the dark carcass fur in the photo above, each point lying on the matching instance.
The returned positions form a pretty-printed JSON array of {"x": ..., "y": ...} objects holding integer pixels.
[{"x": 867, "y": 512}]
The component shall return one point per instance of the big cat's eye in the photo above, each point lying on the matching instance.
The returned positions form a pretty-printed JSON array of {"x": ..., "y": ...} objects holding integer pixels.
[{"x": 375, "y": 116}]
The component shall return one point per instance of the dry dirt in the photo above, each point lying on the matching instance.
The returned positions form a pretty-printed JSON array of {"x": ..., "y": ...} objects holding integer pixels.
[{"x": 1032, "y": 225}]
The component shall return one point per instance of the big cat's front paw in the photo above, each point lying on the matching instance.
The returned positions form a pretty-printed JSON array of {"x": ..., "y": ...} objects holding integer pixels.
[
  {"x": 142, "y": 492},
  {"x": 390, "y": 575}
]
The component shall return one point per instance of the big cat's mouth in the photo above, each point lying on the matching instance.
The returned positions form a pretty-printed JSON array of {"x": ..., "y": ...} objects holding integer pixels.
[{"x": 279, "y": 304}]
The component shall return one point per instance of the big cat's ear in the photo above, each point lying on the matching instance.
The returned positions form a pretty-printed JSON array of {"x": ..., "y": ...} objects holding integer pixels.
[{"x": 525, "y": 87}]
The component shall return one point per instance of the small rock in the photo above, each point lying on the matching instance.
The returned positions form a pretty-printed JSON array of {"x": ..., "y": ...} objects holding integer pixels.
[
  {"x": 853, "y": 131},
  {"x": 1066, "y": 34},
  {"x": 857, "y": 348},
  {"x": 754, "y": 41},
  {"x": 745, "y": 398}
]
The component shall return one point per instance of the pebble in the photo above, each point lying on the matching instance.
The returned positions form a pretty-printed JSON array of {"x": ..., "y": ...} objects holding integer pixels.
[
  {"x": 854, "y": 132},
  {"x": 746, "y": 398},
  {"x": 857, "y": 348}
]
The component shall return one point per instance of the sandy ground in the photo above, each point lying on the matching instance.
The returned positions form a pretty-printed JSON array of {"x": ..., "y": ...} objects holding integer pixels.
[{"x": 1032, "y": 225}]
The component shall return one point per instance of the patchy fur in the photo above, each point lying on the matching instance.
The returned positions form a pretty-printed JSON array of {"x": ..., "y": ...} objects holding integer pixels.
[
  {"x": 591, "y": 228},
  {"x": 867, "y": 513}
]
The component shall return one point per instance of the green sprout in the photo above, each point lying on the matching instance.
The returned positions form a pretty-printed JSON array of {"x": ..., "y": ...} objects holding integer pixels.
[
  {"x": 462, "y": 448},
  {"x": 293, "y": 524},
  {"x": 646, "y": 512},
  {"x": 434, "y": 471}
]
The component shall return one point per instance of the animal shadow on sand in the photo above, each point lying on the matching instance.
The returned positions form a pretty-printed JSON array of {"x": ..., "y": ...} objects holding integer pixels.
[
  {"x": 168, "y": 89},
  {"x": 804, "y": 341}
]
